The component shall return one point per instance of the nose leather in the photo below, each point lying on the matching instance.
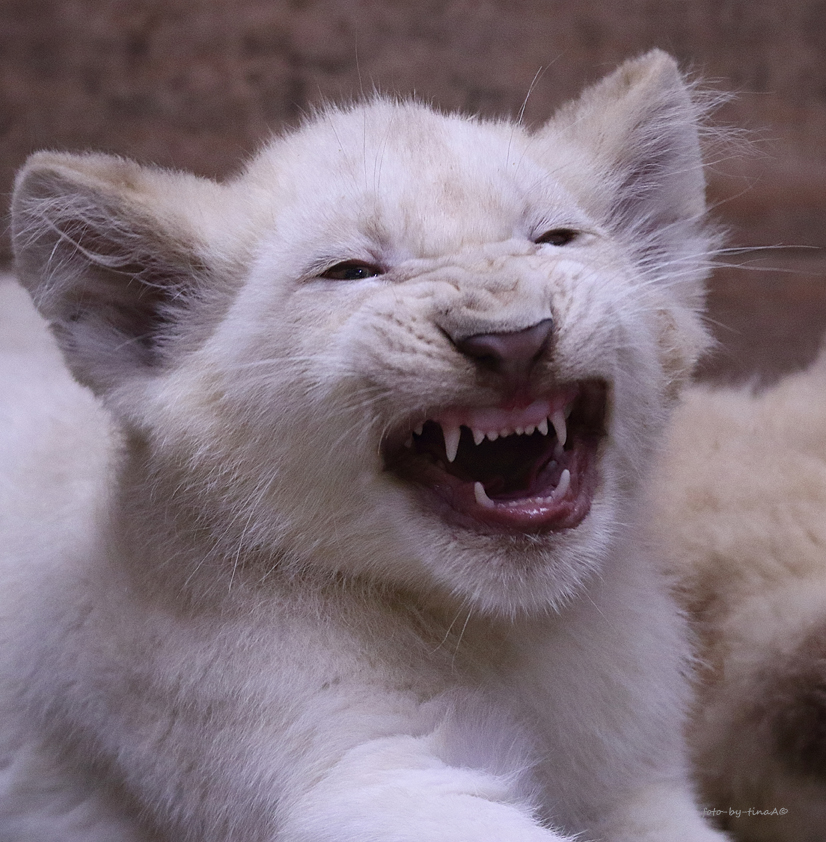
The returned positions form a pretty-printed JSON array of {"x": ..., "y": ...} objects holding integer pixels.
[{"x": 510, "y": 354}]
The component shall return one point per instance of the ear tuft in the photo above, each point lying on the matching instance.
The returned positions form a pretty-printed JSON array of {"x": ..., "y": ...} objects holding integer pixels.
[{"x": 103, "y": 259}]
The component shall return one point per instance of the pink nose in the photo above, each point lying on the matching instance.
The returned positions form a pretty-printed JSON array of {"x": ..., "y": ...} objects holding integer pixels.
[{"x": 510, "y": 354}]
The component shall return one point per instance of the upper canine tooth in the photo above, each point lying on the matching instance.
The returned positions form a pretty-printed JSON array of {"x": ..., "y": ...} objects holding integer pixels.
[
  {"x": 560, "y": 428},
  {"x": 542, "y": 426},
  {"x": 452, "y": 435},
  {"x": 478, "y": 436}
]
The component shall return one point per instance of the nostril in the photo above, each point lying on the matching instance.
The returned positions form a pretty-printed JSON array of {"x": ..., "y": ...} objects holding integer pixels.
[
  {"x": 485, "y": 348},
  {"x": 512, "y": 352}
]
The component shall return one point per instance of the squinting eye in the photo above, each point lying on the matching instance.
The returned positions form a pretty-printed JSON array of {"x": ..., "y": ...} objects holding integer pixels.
[
  {"x": 351, "y": 270},
  {"x": 557, "y": 237}
]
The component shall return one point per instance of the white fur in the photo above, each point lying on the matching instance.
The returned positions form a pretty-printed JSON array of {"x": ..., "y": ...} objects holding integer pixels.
[
  {"x": 739, "y": 504},
  {"x": 222, "y": 618}
]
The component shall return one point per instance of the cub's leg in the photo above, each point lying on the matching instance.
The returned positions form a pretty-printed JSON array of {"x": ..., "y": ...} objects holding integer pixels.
[{"x": 397, "y": 789}]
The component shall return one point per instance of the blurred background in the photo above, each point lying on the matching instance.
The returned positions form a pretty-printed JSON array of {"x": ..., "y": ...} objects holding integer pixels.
[{"x": 198, "y": 85}]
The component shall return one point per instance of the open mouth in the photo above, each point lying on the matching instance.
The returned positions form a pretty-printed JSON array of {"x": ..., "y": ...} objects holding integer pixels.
[{"x": 522, "y": 468}]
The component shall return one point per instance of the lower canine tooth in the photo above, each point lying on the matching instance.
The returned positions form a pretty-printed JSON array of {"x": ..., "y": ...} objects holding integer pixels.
[
  {"x": 481, "y": 497},
  {"x": 563, "y": 485}
]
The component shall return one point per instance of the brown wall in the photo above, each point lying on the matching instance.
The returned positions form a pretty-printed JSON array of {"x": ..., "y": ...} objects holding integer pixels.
[{"x": 197, "y": 85}]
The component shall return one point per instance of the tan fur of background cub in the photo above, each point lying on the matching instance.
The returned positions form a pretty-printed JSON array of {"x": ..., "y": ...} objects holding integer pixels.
[{"x": 740, "y": 499}]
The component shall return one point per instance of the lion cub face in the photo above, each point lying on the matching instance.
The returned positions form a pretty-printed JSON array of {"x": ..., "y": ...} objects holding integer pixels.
[{"x": 412, "y": 347}]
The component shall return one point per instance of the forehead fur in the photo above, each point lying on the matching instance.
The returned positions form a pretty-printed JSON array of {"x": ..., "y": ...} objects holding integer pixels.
[{"x": 441, "y": 181}]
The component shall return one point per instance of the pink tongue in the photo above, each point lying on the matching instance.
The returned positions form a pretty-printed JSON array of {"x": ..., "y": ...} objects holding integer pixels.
[{"x": 495, "y": 488}]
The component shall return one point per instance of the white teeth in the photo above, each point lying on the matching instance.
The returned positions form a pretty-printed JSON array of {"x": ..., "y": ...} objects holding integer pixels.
[
  {"x": 452, "y": 436},
  {"x": 563, "y": 485},
  {"x": 561, "y": 429},
  {"x": 481, "y": 497},
  {"x": 492, "y": 423},
  {"x": 409, "y": 442}
]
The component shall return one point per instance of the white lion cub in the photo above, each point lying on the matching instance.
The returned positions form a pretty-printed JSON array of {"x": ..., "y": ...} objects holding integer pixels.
[{"x": 349, "y": 551}]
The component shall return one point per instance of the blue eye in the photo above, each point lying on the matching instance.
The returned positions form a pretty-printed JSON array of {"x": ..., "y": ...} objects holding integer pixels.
[
  {"x": 557, "y": 237},
  {"x": 351, "y": 270}
]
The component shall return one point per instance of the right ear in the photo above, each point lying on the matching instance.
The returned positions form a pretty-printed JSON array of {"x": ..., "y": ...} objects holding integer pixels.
[
  {"x": 629, "y": 148},
  {"x": 111, "y": 256}
]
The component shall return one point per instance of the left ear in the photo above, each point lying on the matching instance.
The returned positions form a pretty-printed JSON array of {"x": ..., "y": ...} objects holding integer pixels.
[
  {"x": 629, "y": 150},
  {"x": 113, "y": 255}
]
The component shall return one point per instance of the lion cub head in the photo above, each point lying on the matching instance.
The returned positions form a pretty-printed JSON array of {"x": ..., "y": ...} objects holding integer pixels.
[{"x": 420, "y": 349}]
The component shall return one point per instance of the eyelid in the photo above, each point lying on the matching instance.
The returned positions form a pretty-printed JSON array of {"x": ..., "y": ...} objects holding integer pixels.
[
  {"x": 564, "y": 233},
  {"x": 353, "y": 265}
]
